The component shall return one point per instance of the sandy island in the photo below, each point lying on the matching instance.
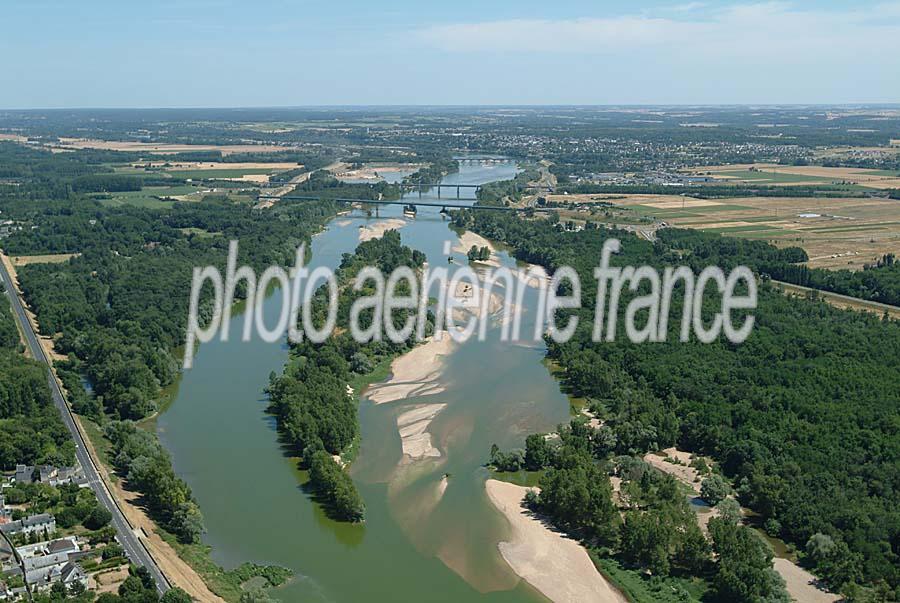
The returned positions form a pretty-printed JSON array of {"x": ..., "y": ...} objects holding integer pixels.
[
  {"x": 377, "y": 230},
  {"x": 469, "y": 239},
  {"x": 415, "y": 373},
  {"x": 413, "y": 427},
  {"x": 557, "y": 566}
]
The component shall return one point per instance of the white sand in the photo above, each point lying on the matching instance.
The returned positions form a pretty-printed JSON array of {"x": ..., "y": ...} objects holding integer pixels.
[
  {"x": 377, "y": 229},
  {"x": 557, "y": 566},
  {"x": 416, "y": 373},
  {"x": 683, "y": 473},
  {"x": 801, "y": 584},
  {"x": 413, "y": 426},
  {"x": 468, "y": 239}
]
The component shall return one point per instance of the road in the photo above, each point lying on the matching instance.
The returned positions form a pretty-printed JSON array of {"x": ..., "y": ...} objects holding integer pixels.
[{"x": 134, "y": 548}]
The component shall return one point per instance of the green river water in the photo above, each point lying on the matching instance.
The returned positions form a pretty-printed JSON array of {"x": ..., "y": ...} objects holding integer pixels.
[{"x": 415, "y": 545}]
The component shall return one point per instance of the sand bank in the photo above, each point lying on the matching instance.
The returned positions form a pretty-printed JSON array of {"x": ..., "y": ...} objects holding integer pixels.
[
  {"x": 377, "y": 229},
  {"x": 801, "y": 585},
  {"x": 416, "y": 373},
  {"x": 557, "y": 566},
  {"x": 469, "y": 239},
  {"x": 413, "y": 427}
]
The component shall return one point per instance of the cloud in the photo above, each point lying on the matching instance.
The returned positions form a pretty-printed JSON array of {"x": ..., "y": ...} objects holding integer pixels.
[{"x": 769, "y": 30}]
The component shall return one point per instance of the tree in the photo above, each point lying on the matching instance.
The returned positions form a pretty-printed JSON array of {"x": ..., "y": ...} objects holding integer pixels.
[
  {"x": 187, "y": 522},
  {"x": 76, "y": 589},
  {"x": 335, "y": 487},
  {"x": 97, "y": 518},
  {"x": 538, "y": 452},
  {"x": 744, "y": 571},
  {"x": 714, "y": 489},
  {"x": 175, "y": 595}
]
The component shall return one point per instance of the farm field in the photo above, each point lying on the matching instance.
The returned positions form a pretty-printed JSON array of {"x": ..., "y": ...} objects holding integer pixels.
[
  {"x": 67, "y": 144},
  {"x": 775, "y": 174},
  {"x": 836, "y": 233},
  {"x": 156, "y": 197},
  {"x": 56, "y": 258}
]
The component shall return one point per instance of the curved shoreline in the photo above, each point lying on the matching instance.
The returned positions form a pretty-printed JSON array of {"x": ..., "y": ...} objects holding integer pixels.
[{"x": 557, "y": 566}]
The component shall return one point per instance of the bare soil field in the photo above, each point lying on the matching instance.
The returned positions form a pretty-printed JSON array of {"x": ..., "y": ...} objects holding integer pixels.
[
  {"x": 835, "y": 232},
  {"x": 878, "y": 179},
  {"x": 218, "y": 165},
  {"x": 155, "y": 148},
  {"x": 58, "y": 258},
  {"x": 375, "y": 171}
]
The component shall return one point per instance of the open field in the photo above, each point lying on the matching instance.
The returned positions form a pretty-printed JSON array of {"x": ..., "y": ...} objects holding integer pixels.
[
  {"x": 376, "y": 171},
  {"x": 840, "y": 301},
  {"x": 244, "y": 174},
  {"x": 57, "y": 258},
  {"x": 835, "y": 232},
  {"x": 156, "y": 197},
  {"x": 768, "y": 173},
  {"x": 154, "y": 148}
]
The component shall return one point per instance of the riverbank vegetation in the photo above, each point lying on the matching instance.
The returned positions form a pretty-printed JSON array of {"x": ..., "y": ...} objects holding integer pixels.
[
  {"x": 118, "y": 311},
  {"x": 801, "y": 417},
  {"x": 312, "y": 400}
]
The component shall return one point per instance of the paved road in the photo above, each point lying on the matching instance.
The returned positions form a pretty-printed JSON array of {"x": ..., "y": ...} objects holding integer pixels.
[{"x": 134, "y": 548}]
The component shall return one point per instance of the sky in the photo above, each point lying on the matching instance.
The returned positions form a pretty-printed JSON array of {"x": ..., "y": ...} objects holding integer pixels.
[{"x": 206, "y": 53}]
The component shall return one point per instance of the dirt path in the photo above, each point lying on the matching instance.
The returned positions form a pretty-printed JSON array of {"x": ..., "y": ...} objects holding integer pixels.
[{"x": 800, "y": 584}]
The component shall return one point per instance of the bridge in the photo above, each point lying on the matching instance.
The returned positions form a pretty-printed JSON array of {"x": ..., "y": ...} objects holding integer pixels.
[
  {"x": 407, "y": 203},
  {"x": 425, "y": 186}
]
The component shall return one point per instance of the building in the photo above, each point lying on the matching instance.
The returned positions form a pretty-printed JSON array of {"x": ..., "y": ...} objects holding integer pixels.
[
  {"x": 68, "y": 573},
  {"x": 54, "y": 561},
  {"x": 36, "y": 523},
  {"x": 49, "y": 475}
]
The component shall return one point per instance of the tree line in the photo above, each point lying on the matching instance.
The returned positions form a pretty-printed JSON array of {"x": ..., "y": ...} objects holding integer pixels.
[{"x": 801, "y": 416}]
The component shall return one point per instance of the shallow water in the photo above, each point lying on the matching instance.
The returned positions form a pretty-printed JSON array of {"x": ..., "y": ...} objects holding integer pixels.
[{"x": 416, "y": 545}]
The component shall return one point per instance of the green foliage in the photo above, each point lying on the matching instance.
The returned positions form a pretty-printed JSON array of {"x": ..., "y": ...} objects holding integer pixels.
[
  {"x": 31, "y": 430},
  {"x": 175, "y": 595},
  {"x": 802, "y": 416},
  {"x": 97, "y": 518},
  {"x": 148, "y": 467},
  {"x": 577, "y": 496},
  {"x": 97, "y": 183},
  {"x": 714, "y": 489},
  {"x": 331, "y": 483},
  {"x": 744, "y": 571},
  {"x": 476, "y": 254},
  {"x": 310, "y": 400}
]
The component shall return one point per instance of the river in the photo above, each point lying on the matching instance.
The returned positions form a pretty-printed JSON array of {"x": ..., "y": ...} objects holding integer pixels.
[{"x": 416, "y": 544}]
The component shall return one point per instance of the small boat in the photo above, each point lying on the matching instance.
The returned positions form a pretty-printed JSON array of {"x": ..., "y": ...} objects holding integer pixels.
[{"x": 409, "y": 210}]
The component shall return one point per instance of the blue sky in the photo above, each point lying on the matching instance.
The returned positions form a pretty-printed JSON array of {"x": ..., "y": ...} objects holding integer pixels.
[{"x": 90, "y": 53}]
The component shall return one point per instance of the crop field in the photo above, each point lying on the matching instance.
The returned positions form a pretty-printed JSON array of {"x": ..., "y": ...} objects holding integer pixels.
[
  {"x": 836, "y": 233},
  {"x": 155, "y": 197},
  {"x": 796, "y": 175},
  {"x": 225, "y": 174}
]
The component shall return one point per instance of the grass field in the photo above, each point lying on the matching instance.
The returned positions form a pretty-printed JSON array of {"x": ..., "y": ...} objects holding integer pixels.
[
  {"x": 835, "y": 232},
  {"x": 153, "y": 197},
  {"x": 57, "y": 258},
  {"x": 796, "y": 175},
  {"x": 219, "y": 174}
]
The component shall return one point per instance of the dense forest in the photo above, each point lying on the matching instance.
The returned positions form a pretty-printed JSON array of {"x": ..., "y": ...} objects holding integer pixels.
[
  {"x": 317, "y": 415},
  {"x": 31, "y": 430},
  {"x": 802, "y": 417}
]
